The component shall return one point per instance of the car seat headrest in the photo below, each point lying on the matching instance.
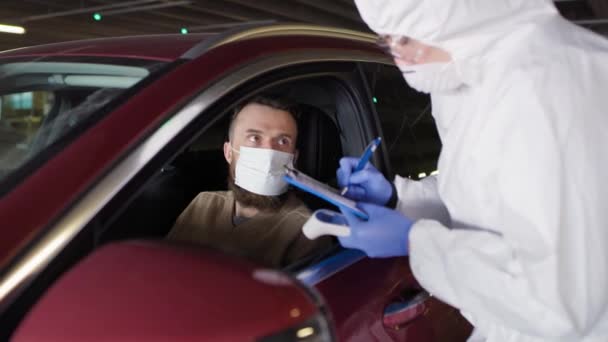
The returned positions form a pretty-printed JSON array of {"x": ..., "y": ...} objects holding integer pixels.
[{"x": 319, "y": 143}]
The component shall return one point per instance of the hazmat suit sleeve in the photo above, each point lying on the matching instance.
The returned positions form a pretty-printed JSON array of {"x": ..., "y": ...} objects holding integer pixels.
[
  {"x": 420, "y": 199},
  {"x": 537, "y": 263}
]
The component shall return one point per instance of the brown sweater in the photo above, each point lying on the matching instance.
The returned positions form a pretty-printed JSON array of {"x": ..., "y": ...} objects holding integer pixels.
[{"x": 271, "y": 239}]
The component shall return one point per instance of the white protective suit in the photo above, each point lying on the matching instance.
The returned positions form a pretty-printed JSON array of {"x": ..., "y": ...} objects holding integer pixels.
[{"x": 523, "y": 171}]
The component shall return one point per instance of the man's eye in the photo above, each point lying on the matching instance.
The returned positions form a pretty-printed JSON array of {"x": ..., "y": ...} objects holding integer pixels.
[
  {"x": 284, "y": 141},
  {"x": 254, "y": 138}
]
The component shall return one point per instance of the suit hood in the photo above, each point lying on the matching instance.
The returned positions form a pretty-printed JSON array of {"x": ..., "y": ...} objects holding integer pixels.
[{"x": 464, "y": 28}]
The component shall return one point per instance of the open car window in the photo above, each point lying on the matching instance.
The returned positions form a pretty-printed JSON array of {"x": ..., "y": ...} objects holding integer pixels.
[
  {"x": 200, "y": 166},
  {"x": 408, "y": 128},
  {"x": 42, "y": 101}
]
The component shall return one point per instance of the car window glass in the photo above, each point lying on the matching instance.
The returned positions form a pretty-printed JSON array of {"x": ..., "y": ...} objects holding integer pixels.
[
  {"x": 408, "y": 128},
  {"x": 21, "y": 115},
  {"x": 42, "y": 101}
]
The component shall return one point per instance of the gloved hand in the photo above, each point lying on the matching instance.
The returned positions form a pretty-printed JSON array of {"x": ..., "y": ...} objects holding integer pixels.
[
  {"x": 385, "y": 234},
  {"x": 367, "y": 185}
]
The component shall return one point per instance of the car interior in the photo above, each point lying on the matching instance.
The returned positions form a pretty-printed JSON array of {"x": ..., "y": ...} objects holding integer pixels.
[{"x": 201, "y": 166}]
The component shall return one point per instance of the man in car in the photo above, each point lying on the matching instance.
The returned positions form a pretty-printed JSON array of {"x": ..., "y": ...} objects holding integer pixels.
[{"x": 258, "y": 218}]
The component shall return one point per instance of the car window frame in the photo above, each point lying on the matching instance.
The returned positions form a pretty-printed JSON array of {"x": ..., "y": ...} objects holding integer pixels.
[{"x": 218, "y": 111}]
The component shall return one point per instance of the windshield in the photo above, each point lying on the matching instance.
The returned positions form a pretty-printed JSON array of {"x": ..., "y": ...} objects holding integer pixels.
[{"x": 43, "y": 100}]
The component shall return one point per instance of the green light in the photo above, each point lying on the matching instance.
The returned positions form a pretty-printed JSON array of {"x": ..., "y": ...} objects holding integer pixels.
[
  {"x": 97, "y": 16},
  {"x": 375, "y": 99},
  {"x": 184, "y": 30}
]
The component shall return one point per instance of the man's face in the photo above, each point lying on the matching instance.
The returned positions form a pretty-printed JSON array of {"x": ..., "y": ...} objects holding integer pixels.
[
  {"x": 259, "y": 126},
  {"x": 262, "y": 127}
]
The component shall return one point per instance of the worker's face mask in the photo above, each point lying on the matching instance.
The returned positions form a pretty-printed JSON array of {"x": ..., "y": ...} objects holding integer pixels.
[
  {"x": 432, "y": 77},
  {"x": 261, "y": 170}
]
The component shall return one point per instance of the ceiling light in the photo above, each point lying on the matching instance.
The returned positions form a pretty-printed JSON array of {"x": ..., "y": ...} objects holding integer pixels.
[
  {"x": 147, "y": 7},
  {"x": 12, "y": 29}
]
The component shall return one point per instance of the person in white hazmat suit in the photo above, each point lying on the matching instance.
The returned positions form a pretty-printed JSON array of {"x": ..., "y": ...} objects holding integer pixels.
[{"x": 514, "y": 229}]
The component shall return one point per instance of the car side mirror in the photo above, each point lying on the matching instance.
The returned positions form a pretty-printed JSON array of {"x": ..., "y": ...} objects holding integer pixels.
[{"x": 146, "y": 290}]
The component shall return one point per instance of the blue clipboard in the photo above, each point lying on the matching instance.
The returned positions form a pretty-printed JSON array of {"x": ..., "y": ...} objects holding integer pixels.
[{"x": 302, "y": 181}]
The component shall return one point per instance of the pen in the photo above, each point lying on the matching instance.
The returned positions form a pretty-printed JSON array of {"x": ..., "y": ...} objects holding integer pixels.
[{"x": 367, "y": 154}]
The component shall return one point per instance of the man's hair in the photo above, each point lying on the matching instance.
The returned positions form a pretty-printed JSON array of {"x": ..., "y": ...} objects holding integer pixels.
[{"x": 274, "y": 102}]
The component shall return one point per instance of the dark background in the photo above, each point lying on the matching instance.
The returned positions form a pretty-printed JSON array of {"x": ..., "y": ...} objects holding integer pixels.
[{"x": 48, "y": 21}]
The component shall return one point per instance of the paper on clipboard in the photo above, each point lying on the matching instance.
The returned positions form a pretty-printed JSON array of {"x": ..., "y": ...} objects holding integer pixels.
[{"x": 322, "y": 190}]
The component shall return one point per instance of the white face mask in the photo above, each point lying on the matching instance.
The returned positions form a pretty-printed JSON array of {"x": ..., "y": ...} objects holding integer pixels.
[
  {"x": 432, "y": 77},
  {"x": 261, "y": 170}
]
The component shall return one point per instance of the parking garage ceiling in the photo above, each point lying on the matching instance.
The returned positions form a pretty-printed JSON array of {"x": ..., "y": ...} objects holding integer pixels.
[{"x": 47, "y": 21}]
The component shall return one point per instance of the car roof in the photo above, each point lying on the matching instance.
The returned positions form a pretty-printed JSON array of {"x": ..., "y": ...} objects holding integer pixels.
[
  {"x": 166, "y": 47},
  {"x": 169, "y": 47}
]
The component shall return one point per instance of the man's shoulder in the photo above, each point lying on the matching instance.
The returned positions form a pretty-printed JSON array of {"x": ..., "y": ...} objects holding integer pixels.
[
  {"x": 207, "y": 211},
  {"x": 215, "y": 196},
  {"x": 210, "y": 199}
]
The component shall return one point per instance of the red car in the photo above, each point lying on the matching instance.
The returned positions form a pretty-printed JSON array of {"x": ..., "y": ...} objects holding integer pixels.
[{"x": 104, "y": 142}]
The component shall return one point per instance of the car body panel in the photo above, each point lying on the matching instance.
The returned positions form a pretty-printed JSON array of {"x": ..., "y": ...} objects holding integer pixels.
[
  {"x": 184, "y": 293},
  {"x": 160, "y": 47},
  {"x": 376, "y": 283},
  {"x": 357, "y": 320}
]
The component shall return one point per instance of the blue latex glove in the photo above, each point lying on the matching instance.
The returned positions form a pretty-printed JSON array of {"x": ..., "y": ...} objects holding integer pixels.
[
  {"x": 367, "y": 185},
  {"x": 385, "y": 234}
]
